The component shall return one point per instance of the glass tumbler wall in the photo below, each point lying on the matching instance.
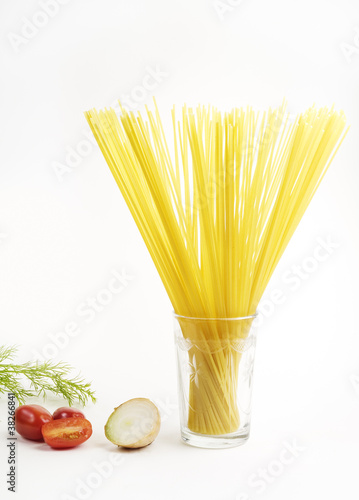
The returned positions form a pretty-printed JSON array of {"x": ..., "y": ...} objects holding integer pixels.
[{"x": 215, "y": 360}]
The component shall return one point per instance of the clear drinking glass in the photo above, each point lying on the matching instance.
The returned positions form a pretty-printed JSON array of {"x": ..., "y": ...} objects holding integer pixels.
[{"x": 215, "y": 360}]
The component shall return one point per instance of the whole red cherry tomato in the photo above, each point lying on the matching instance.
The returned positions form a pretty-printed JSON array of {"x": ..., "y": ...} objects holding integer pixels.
[
  {"x": 66, "y": 432},
  {"x": 65, "y": 412},
  {"x": 29, "y": 419}
]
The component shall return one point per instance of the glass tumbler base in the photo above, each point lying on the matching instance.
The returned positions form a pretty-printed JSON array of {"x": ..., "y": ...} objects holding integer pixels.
[{"x": 214, "y": 442}]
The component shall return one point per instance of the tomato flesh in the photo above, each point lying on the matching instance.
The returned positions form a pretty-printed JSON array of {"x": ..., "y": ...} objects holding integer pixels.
[
  {"x": 65, "y": 412},
  {"x": 66, "y": 432},
  {"x": 29, "y": 420}
]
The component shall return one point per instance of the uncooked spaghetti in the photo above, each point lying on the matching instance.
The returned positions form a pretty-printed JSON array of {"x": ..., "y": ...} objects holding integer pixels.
[{"x": 217, "y": 214}]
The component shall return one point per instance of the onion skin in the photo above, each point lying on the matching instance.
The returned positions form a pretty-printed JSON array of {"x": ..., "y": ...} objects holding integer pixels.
[{"x": 146, "y": 439}]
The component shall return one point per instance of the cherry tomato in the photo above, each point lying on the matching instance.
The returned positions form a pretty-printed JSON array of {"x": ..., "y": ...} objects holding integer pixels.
[
  {"x": 64, "y": 412},
  {"x": 66, "y": 432},
  {"x": 29, "y": 419}
]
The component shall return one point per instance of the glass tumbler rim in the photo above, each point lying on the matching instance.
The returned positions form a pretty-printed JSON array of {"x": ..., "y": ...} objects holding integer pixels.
[{"x": 194, "y": 318}]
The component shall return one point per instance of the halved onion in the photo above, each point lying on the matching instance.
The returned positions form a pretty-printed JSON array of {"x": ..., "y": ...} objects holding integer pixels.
[{"x": 134, "y": 424}]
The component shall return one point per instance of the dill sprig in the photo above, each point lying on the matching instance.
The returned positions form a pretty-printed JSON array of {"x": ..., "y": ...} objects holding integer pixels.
[{"x": 43, "y": 377}]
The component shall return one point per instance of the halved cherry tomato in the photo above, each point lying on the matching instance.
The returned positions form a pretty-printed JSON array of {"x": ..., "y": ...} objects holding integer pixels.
[
  {"x": 29, "y": 420},
  {"x": 66, "y": 432},
  {"x": 65, "y": 412}
]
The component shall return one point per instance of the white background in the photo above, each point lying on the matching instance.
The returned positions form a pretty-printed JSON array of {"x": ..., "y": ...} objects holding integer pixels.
[{"x": 63, "y": 235}]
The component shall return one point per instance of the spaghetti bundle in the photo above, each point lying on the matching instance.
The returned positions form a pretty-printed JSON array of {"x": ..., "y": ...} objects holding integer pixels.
[{"x": 217, "y": 214}]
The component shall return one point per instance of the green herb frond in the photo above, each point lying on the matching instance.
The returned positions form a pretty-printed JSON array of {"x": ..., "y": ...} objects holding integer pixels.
[
  {"x": 7, "y": 352},
  {"x": 43, "y": 377}
]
